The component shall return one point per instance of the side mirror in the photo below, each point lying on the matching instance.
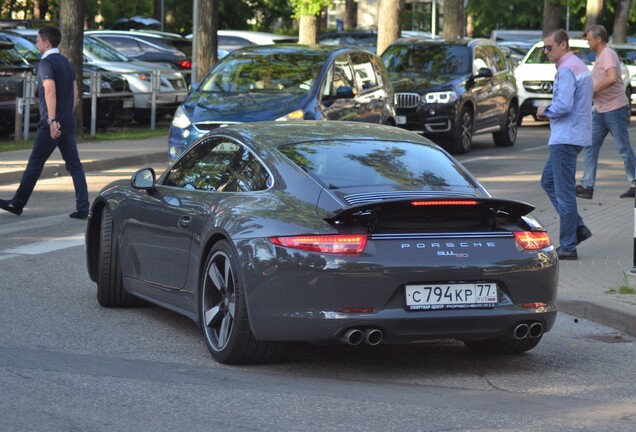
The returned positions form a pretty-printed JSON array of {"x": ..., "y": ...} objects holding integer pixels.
[
  {"x": 345, "y": 92},
  {"x": 484, "y": 73},
  {"x": 144, "y": 179}
]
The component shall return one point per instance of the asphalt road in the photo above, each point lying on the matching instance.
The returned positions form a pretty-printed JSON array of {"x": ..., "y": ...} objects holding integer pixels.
[{"x": 66, "y": 364}]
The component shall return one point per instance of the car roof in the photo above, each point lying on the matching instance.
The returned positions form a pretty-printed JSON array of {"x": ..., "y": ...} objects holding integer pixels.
[
  {"x": 291, "y": 48},
  {"x": 271, "y": 134},
  {"x": 137, "y": 33},
  {"x": 419, "y": 40}
]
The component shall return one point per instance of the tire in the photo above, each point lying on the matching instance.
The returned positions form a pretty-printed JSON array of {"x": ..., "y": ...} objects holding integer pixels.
[
  {"x": 502, "y": 346},
  {"x": 462, "y": 139},
  {"x": 110, "y": 290},
  {"x": 508, "y": 135},
  {"x": 223, "y": 313}
]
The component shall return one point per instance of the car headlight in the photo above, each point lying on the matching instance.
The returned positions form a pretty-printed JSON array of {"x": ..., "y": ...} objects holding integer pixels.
[
  {"x": 439, "y": 97},
  {"x": 180, "y": 119},
  {"x": 294, "y": 115},
  {"x": 145, "y": 76}
]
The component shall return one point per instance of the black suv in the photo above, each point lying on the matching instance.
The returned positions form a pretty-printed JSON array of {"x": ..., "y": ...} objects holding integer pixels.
[{"x": 452, "y": 90}]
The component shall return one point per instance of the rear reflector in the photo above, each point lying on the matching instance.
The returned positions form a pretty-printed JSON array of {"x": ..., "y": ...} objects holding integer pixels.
[
  {"x": 337, "y": 244},
  {"x": 533, "y": 240},
  {"x": 444, "y": 202},
  {"x": 356, "y": 310},
  {"x": 535, "y": 305}
]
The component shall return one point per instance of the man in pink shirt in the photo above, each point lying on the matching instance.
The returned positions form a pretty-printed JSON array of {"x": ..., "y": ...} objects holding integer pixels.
[{"x": 611, "y": 114}]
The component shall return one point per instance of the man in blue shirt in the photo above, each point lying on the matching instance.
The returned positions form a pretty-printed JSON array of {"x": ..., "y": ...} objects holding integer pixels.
[
  {"x": 58, "y": 96},
  {"x": 570, "y": 115}
]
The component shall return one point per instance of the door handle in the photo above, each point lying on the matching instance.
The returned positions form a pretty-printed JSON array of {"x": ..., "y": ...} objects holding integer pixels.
[{"x": 184, "y": 221}]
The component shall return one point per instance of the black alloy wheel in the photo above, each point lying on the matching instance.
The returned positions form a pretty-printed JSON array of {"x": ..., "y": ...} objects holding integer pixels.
[
  {"x": 463, "y": 136},
  {"x": 223, "y": 313},
  {"x": 508, "y": 135}
]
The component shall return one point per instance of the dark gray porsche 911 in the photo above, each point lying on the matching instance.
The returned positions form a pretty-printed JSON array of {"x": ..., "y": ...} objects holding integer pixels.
[{"x": 337, "y": 232}]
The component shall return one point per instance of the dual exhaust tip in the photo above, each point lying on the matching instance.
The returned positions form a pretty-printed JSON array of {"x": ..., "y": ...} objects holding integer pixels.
[
  {"x": 532, "y": 329},
  {"x": 355, "y": 336}
]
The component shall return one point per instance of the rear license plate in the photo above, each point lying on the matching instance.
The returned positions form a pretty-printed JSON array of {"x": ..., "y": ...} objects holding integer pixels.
[
  {"x": 451, "y": 296},
  {"x": 400, "y": 119},
  {"x": 128, "y": 103}
]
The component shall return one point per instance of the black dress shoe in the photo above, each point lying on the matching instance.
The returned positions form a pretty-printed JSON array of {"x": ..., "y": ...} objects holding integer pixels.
[
  {"x": 629, "y": 193},
  {"x": 584, "y": 192},
  {"x": 567, "y": 255},
  {"x": 582, "y": 233},
  {"x": 78, "y": 215},
  {"x": 10, "y": 207}
]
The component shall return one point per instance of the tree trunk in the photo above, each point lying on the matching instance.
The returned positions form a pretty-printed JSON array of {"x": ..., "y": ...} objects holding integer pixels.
[
  {"x": 551, "y": 15},
  {"x": 72, "y": 27},
  {"x": 389, "y": 24},
  {"x": 351, "y": 14},
  {"x": 207, "y": 41},
  {"x": 308, "y": 31},
  {"x": 620, "y": 21},
  {"x": 453, "y": 19},
  {"x": 593, "y": 12}
]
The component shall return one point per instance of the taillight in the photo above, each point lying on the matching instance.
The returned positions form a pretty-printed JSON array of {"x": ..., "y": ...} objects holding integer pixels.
[
  {"x": 533, "y": 240},
  {"x": 185, "y": 64},
  {"x": 336, "y": 244}
]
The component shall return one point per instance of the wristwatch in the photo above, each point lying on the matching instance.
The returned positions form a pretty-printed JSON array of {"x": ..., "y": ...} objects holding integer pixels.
[{"x": 49, "y": 121}]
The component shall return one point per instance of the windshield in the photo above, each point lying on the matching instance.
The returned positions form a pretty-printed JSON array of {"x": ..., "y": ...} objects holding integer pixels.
[
  {"x": 26, "y": 49},
  {"x": 338, "y": 164},
  {"x": 265, "y": 73},
  {"x": 538, "y": 56},
  {"x": 10, "y": 57},
  {"x": 428, "y": 58},
  {"x": 98, "y": 50}
]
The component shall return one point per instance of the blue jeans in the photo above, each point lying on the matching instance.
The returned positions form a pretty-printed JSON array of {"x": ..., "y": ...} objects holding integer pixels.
[
  {"x": 616, "y": 123},
  {"x": 559, "y": 182},
  {"x": 42, "y": 150}
]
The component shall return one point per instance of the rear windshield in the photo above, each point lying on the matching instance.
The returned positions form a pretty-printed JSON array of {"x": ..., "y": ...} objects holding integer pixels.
[
  {"x": 428, "y": 58},
  {"x": 339, "y": 164}
]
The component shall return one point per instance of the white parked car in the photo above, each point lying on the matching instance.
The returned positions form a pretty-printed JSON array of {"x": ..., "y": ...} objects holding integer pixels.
[
  {"x": 230, "y": 40},
  {"x": 627, "y": 53},
  {"x": 535, "y": 76}
]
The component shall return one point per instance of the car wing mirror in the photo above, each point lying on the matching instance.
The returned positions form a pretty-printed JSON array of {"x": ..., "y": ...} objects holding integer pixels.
[
  {"x": 484, "y": 73},
  {"x": 345, "y": 92},
  {"x": 144, "y": 179}
]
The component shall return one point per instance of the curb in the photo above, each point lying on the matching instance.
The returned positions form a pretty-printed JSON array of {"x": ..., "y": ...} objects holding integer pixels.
[
  {"x": 58, "y": 170},
  {"x": 617, "y": 318}
]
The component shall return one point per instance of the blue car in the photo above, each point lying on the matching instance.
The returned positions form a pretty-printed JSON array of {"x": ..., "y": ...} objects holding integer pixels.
[{"x": 285, "y": 82}]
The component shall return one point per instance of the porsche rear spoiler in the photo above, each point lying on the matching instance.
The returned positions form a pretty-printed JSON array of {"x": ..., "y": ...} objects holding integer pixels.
[{"x": 431, "y": 210}]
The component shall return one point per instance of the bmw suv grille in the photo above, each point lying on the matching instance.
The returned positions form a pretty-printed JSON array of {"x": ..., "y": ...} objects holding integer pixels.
[{"x": 407, "y": 100}]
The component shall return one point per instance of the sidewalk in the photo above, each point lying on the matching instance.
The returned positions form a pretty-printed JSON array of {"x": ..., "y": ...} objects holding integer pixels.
[{"x": 604, "y": 260}]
